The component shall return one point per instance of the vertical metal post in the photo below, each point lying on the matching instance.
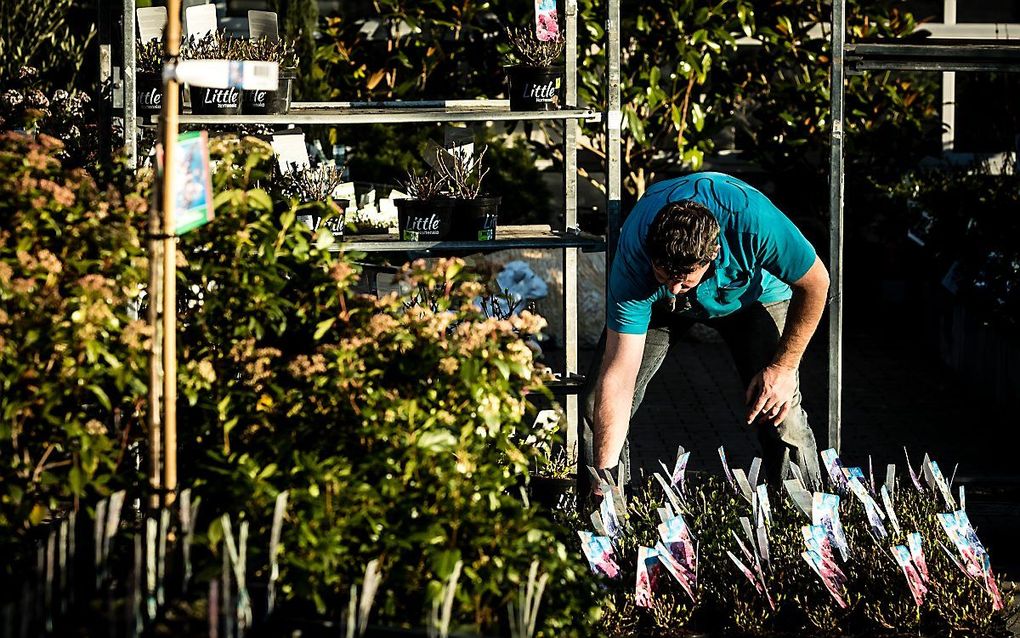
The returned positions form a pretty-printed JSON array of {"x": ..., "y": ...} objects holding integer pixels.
[
  {"x": 570, "y": 305},
  {"x": 172, "y": 41},
  {"x": 949, "y": 90},
  {"x": 614, "y": 123},
  {"x": 836, "y": 184},
  {"x": 128, "y": 84}
]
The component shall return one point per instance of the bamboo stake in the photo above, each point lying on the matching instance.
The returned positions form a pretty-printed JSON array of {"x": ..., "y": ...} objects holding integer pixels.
[{"x": 170, "y": 125}]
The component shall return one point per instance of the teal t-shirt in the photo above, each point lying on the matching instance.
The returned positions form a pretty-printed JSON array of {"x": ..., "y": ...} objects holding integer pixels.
[{"x": 760, "y": 251}]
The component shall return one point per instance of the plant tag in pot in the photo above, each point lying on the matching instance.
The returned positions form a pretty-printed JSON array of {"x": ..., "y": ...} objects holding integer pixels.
[
  {"x": 200, "y": 20},
  {"x": 290, "y": 149},
  {"x": 546, "y": 21},
  {"x": 151, "y": 21},
  {"x": 263, "y": 24}
]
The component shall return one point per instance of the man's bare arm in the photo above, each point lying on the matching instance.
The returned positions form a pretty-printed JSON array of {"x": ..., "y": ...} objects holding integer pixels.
[
  {"x": 770, "y": 391},
  {"x": 614, "y": 395}
]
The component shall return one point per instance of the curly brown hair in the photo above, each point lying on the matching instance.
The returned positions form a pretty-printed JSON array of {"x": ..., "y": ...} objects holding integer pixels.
[{"x": 683, "y": 237}]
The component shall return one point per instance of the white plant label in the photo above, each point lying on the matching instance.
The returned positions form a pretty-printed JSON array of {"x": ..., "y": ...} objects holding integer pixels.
[
  {"x": 151, "y": 22},
  {"x": 200, "y": 20}
]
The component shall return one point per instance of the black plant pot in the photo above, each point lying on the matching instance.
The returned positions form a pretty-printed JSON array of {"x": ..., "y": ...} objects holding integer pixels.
[
  {"x": 148, "y": 94},
  {"x": 335, "y": 223},
  {"x": 206, "y": 101},
  {"x": 271, "y": 102},
  {"x": 476, "y": 219},
  {"x": 534, "y": 88},
  {"x": 425, "y": 220}
]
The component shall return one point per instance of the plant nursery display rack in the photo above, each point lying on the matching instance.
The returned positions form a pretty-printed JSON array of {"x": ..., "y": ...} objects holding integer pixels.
[
  {"x": 565, "y": 237},
  {"x": 932, "y": 55}
]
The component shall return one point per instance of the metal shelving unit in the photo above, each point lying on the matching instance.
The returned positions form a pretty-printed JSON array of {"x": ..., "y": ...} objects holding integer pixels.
[
  {"x": 934, "y": 55},
  {"x": 506, "y": 237},
  {"x": 566, "y": 239}
]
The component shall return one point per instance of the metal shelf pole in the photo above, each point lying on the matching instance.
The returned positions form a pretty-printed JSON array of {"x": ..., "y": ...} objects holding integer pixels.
[
  {"x": 614, "y": 124},
  {"x": 128, "y": 84},
  {"x": 570, "y": 305},
  {"x": 836, "y": 186}
]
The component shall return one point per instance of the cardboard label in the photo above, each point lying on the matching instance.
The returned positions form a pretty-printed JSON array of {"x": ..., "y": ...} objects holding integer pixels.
[
  {"x": 151, "y": 22},
  {"x": 263, "y": 24},
  {"x": 200, "y": 20}
]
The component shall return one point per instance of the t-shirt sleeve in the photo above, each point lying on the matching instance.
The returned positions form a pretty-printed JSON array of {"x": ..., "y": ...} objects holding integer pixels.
[
  {"x": 629, "y": 307},
  {"x": 780, "y": 247}
]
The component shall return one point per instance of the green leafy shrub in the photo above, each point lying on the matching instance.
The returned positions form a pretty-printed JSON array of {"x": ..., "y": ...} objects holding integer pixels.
[
  {"x": 397, "y": 424},
  {"x": 72, "y": 352}
]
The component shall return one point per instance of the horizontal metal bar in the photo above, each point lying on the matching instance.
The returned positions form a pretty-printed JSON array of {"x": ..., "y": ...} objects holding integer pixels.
[
  {"x": 861, "y": 66},
  {"x": 506, "y": 237},
  {"x": 939, "y": 49},
  {"x": 352, "y": 113}
]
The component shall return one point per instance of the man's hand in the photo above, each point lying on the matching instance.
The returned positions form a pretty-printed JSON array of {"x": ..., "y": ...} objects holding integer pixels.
[{"x": 769, "y": 395}]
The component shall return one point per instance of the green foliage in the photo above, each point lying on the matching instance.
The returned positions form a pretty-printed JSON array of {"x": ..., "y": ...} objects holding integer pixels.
[
  {"x": 877, "y": 593},
  {"x": 50, "y": 35},
  {"x": 72, "y": 352},
  {"x": 398, "y": 428}
]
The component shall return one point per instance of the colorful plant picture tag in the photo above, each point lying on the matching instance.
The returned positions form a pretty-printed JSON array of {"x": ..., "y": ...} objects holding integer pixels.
[
  {"x": 743, "y": 485},
  {"x": 192, "y": 181},
  {"x": 763, "y": 544},
  {"x": 940, "y": 482},
  {"x": 200, "y": 20},
  {"x": 599, "y": 552},
  {"x": 825, "y": 512},
  {"x": 547, "y": 25},
  {"x": 917, "y": 554},
  {"x": 680, "y": 470},
  {"x": 890, "y": 479},
  {"x": 610, "y": 518},
  {"x": 667, "y": 490},
  {"x": 263, "y": 24},
  {"x": 759, "y": 585},
  {"x": 151, "y": 22},
  {"x": 677, "y": 539},
  {"x": 828, "y": 577},
  {"x": 647, "y": 575},
  {"x": 917, "y": 588},
  {"x": 913, "y": 474},
  {"x": 889, "y": 510},
  {"x": 834, "y": 468},
  {"x": 752, "y": 474},
  {"x": 600, "y": 527},
  {"x": 679, "y": 572}
]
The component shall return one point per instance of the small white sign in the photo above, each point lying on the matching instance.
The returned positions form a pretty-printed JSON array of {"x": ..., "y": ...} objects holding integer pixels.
[
  {"x": 151, "y": 22},
  {"x": 263, "y": 23},
  {"x": 200, "y": 20},
  {"x": 290, "y": 149}
]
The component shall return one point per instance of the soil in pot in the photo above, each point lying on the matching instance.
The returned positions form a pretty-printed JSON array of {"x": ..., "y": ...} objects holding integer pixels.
[
  {"x": 207, "y": 101},
  {"x": 420, "y": 220},
  {"x": 535, "y": 88},
  {"x": 477, "y": 219},
  {"x": 271, "y": 102}
]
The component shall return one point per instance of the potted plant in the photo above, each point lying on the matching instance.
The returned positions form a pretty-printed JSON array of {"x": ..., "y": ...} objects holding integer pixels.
[
  {"x": 149, "y": 78},
  {"x": 283, "y": 52},
  {"x": 427, "y": 213},
  {"x": 477, "y": 215},
  {"x": 534, "y": 77},
  {"x": 316, "y": 185},
  {"x": 216, "y": 45}
]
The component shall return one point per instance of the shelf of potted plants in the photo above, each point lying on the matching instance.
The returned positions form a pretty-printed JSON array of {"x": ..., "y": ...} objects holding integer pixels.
[
  {"x": 397, "y": 112},
  {"x": 534, "y": 236}
]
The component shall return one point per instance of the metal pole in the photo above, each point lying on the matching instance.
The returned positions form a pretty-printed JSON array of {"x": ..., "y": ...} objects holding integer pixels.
[
  {"x": 949, "y": 90},
  {"x": 570, "y": 306},
  {"x": 614, "y": 122},
  {"x": 128, "y": 84},
  {"x": 169, "y": 121},
  {"x": 836, "y": 183}
]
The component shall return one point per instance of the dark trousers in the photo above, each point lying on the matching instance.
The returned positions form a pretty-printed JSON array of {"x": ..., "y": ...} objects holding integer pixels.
[{"x": 752, "y": 335}]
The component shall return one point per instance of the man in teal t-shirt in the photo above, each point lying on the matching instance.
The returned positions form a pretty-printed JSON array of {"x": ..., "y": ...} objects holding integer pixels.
[{"x": 708, "y": 248}]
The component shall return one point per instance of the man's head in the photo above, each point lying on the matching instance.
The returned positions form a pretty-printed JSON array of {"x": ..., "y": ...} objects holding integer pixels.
[{"x": 682, "y": 242}]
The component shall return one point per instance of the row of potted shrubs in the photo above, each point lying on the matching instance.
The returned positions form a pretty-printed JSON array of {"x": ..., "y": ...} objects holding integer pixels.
[
  {"x": 219, "y": 45},
  {"x": 534, "y": 80}
]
